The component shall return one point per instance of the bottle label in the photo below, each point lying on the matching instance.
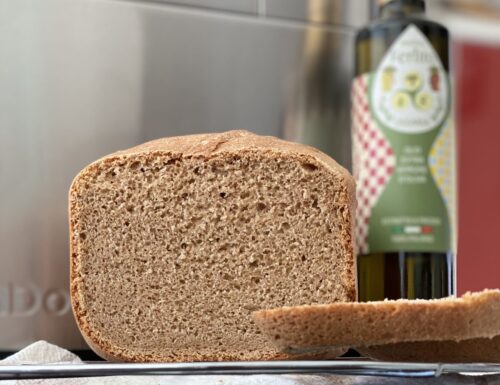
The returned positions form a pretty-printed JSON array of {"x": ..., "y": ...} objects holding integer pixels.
[{"x": 403, "y": 151}]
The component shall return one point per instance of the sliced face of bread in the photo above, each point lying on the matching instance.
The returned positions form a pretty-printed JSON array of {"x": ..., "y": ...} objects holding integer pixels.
[
  {"x": 473, "y": 350},
  {"x": 316, "y": 327},
  {"x": 174, "y": 243}
]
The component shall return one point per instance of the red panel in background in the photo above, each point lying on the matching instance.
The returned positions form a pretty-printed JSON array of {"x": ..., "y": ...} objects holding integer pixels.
[{"x": 477, "y": 74}]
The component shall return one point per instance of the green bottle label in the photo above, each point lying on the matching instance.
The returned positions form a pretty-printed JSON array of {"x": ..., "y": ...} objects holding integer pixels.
[{"x": 403, "y": 151}]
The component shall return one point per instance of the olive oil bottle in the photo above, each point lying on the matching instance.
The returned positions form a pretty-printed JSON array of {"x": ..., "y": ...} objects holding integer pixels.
[{"x": 404, "y": 156}]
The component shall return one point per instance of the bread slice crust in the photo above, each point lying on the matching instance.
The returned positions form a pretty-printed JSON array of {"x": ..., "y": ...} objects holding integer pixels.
[
  {"x": 471, "y": 350},
  {"x": 474, "y": 315},
  {"x": 195, "y": 148}
]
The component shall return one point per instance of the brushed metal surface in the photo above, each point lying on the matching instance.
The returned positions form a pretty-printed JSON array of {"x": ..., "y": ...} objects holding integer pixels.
[
  {"x": 244, "y": 6},
  {"x": 318, "y": 111},
  {"x": 82, "y": 78},
  {"x": 242, "y": 71},
  {"x": 351, "y": 13},
  {"x": 70, "y": 91}
]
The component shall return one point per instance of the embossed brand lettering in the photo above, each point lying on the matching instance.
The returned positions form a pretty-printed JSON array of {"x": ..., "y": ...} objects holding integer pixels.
[{"x": 27, "y": 300}]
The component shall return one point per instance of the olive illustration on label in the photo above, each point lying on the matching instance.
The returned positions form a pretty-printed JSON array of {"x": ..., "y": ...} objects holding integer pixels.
[
  {"x": 423, "y": 101},
  {"x": 387, "y": 78},
  {"x": 409, "y": 88},
  {"x": 413, "y": 81},
  {"x": 400, "y": 100},
  {"x": 434, "y": 79}
]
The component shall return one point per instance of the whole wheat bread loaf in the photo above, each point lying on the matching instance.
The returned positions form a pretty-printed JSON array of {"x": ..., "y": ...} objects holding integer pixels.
[
  {"x": 473, "y": 350},
  {"x": 315, "y": 327},
  {"x": 175, "y": 242}
]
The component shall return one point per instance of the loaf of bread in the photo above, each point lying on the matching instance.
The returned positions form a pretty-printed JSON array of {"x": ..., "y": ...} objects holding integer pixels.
[
  {"x": 175, "y": 242},
  {"x": 315, "y": 327},
  {"x": 473, "y": 350}
]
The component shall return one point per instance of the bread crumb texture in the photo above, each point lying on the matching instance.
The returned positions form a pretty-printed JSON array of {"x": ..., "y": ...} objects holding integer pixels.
[
  {"x": 475, "y": 315},
  {"x": 176, "y": 242}
]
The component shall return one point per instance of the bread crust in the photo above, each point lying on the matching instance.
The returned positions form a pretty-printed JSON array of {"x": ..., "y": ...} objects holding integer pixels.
[
  {"x": 473, "y": 350},
  {"x": 203, "y": 146},
  {"x": 475, "y": 315}
]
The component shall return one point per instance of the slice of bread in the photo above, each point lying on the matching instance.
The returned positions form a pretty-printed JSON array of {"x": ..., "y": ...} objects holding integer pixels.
[
  {"x": 314, "y": 327},
  {"x": 473, "y": 350},
  {"x": 175, "y": 242}
]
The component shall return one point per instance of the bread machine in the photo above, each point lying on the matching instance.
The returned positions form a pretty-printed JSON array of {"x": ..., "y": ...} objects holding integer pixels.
[{"x": 84, "y": 78}]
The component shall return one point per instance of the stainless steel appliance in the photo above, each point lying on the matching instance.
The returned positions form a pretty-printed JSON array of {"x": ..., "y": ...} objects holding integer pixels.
[{"x": 82, "y": 78}]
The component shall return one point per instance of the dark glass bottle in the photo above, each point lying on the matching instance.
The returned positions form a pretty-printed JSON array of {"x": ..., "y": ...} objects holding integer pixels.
[{"x": 386, "y": 270}]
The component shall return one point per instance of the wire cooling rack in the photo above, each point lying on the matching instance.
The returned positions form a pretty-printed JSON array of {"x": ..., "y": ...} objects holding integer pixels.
[{"x": 339, "y": 367}]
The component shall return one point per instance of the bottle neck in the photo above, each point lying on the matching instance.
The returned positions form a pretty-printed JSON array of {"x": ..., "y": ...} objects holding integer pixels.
[{"x": 401, "y": 8}]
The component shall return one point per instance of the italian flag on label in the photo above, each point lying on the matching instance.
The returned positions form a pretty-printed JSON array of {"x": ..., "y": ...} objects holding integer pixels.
[{"x": 403, "y": 151}]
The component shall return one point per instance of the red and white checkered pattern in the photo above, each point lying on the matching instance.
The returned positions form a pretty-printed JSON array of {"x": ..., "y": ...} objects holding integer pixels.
[{"x": 373, "y": 159}]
